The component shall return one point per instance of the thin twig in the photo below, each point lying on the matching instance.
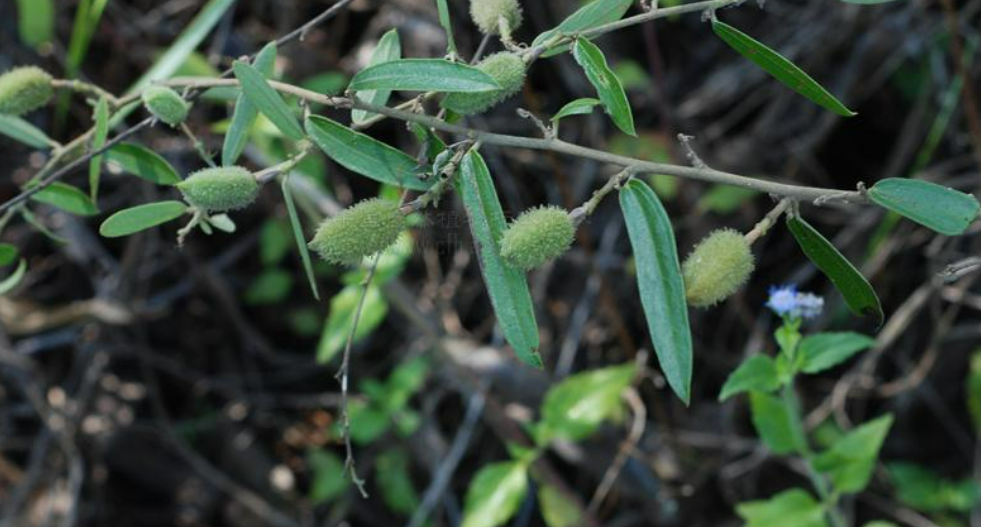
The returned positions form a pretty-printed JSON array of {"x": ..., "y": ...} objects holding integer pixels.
[{"x": 764, "y": 225}]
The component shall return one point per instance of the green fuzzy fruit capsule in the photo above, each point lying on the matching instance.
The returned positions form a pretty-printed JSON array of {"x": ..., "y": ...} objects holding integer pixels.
[
  {"x": 719, "y": 265},
  {"x": 220, "y": 189},
  {"x": 507, "y": 69},
  {"x": 366, "y": 228},
  {"x": 488, "y": 13},
  {"x": 537, "y": 236},
  {"x": 24, "y": 89},
  {"x": 165, "y": 104}
]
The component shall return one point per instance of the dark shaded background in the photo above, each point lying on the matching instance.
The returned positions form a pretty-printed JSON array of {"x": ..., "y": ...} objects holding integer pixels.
[{"x": 137, "y": 387}]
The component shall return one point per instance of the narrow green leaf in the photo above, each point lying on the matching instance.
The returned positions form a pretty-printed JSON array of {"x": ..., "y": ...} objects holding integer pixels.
[
  {"x": 940, "y": 208},
  {"x": 424, "y": 75},
  {"x": 575, "y": 408},
  {"x": 8, "y": 253},
  {"x": 35, "y": 21},
  {"x": 794, "y": 507},
  {"x": 506, "y": 286},
  {"x": 495, "y": 494},
  {"x": 245, "y": 112},
  {"x": 32, "y": 220},
  {"x": 859, "y": 295},
  {"x": 577, "y": 107},
  {"x": 98, "y": 140},
  {"x": 757, "y": 373},
  {"x": 66, "y": 198},
  {"x": 850, "y": 461},
  {"x": 388, "y": 49},
  {"x": 827, "y": 350},
  {"x": 557, "y": 510},
  {"x": 139, "y": 161},
  {"x": 11, "y": 281},
  {"x": 342, "y": 310},
  {"x": 662, "y": 291},
  {"x": 267, "y": 100},
  {"x": 364, "y": 155},
  {"x": 779, "y": 67},
  {"x": 775, "y": 423},
  {"x": 607, "y": 85},
  {"x": 444, "y": 20},
  {"x": 141, "y": 217},
  {"x": 301, "y": 242},
  {"x": 591, "y": 15},
  {"x": 395, "y": 483},
  {"x": 186, "y": 42},
  {"x": 22, "y": 131}
]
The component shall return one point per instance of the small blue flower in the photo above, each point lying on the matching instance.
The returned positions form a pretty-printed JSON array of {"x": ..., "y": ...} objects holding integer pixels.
[
  {"x": 783, "y": 299},
  {"x": 808, "y": 305},
  {"x": 786, "y": 301}
]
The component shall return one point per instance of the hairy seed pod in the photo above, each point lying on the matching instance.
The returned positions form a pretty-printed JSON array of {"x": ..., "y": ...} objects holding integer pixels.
[
  {"x": 24, "y": 89},
  {"x": 486, "y": 14},
  {"x": 507, "y": 69},
  {"x": 718, "y": 266},
  {"x": 220, "y": 189},
  {"x": 165, "y": 104},
  {"x": 362, "y": 230},
  {"x": 537, "y": 236}
]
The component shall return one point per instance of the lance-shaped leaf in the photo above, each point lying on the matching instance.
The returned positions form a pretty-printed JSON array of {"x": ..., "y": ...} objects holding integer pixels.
[
  {"x": 267, "y": 100},
  {"x": 607, "y": 85},
  {"x": 779, "y": 67},
  {"x": 940, "y": 208},
  {"x": 22, "y": 131},
  {"x": 140, "y": 161},
  {"x": 506, "y": 286},
  {"x": 245, "y": 112},
  {"x": 495, "y": 494},
  {"x": 444, "y": 20},
  {"x": 66, "y": 198},
  {"x": 576, "y": 107},
  {"x": 859, "y": 295},
  {"x": 301, "y": 242},
  {"x": 98, "y": 140},
  {"x": 424, "y": 75},
  {"x": 364, "y": 155},
  {"x": 141, "y": 217},
  {"x": 662, "y": 290},
  {"x": 388, "y": 49},
  {"x": 589, "y": 16},
  {"x": 177, "y": 53}
]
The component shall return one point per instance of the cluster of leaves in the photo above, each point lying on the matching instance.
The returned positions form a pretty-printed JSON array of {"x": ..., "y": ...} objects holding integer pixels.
[{"x": 572, "y": 410}]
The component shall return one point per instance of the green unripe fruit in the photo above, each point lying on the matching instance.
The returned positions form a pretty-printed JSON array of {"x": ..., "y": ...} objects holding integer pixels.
[
  {"x": 507, "y": 69},
  {"x": 487, "y": 14},
  {"x": 719, "y": 265},
  {"x": 366, "y": 228},
  {"x": 165, "y": 104},
  {"x": 220, "y": 189},
  {"x": 24, "y": 89},
  {"x": 537, "y": 236}
]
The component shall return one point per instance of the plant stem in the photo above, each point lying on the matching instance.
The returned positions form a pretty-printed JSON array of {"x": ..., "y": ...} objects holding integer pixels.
[
  {"x": 828, "y": 497},
  {"x": 707, "y": 174}
]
